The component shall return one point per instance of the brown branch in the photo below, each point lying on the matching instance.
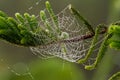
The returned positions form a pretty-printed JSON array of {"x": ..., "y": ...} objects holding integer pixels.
[
  {"x": 76, "y": 39},
  {"x": 83, "y": 37}
]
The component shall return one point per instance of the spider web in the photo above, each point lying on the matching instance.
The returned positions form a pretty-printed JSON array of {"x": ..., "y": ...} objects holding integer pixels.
[
  {"x": 67, "y": 23},
  {"x": 71, "y": 49}
]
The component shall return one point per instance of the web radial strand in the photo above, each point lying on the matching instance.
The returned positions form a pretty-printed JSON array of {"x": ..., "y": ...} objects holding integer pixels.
[{"x": 69, "y": 49}]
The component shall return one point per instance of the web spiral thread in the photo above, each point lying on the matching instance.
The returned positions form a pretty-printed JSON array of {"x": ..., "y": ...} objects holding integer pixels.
[{"x": 71, "y": 49}]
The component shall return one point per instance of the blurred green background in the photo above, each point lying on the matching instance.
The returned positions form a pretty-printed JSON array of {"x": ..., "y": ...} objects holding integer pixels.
[{"x": 95, "y": 11}]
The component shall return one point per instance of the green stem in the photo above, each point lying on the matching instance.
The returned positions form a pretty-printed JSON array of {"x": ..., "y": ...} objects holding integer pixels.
[
  {"x": 101, "y": 53},
  {"x": 92, "y": 46},
  {"x": 28, "y": 19},
  {"x": 44, "y": 19},
  {"x": 116, "y": 76},
  {"x": 76, "y": 13},
  {"x": 53, "y": 17}
]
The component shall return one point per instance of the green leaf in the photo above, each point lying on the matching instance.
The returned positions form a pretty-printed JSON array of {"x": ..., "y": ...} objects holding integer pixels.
[
  {"x": 2, "y": 14},
  {"x": 114, "y": 29},
  {"x": 20, "y": 18},
  {"x": 3, "y": 23},
  {"x": 115, "y": 45}
]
